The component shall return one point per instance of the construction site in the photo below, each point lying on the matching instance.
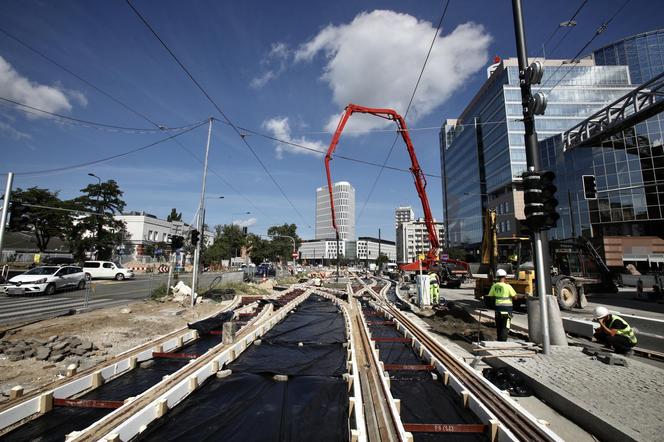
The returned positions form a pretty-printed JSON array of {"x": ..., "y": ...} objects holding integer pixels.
[{"x": 533, "y": 310}]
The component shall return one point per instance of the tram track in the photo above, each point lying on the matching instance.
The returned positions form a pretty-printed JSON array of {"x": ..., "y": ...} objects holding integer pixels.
[
  {"x": 402, "y": 385},
  {"x": 519, "y": 424}
]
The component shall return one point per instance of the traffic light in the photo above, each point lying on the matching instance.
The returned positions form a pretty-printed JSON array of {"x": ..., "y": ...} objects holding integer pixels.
[
  {"x": 17, "y": 215},
  {"x": 533, "y": 75},
  {"x": 589, "y": 187},
  {"x": 177, "y": 242},
  {"x": 195, "y": 236},
  {"x": 532, "y": 198},
  {"x": 539, "y": 194},
  {"x": 549, "y": 201}
]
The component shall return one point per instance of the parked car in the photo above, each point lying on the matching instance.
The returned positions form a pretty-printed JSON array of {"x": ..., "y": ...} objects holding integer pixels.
[
  {"x": 47, "y": 280},
  {"x": 266, "y": 269},
  {"x": 106, "y": 270}
]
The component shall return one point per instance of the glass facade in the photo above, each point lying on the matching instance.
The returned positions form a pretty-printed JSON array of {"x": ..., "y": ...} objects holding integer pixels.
[
  {"x": 629, "y": 167},
  {"x": 483, "y": 152}
]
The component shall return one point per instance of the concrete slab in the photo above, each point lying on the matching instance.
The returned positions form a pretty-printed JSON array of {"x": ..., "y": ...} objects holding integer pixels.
[{"x": 611, "y": 402}]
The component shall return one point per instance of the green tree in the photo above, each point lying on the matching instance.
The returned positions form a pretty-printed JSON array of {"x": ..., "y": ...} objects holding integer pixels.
[
  {"x": 44, "y": 222},
  {"x": 174, "y": 215},
  {"x": 258, "y": 248},
  {"x": 282, "y": 246},
  {"x": 382, "y": 259},
  {"x": 98, "y": 230},
  {"x": 228, "y": 241}
]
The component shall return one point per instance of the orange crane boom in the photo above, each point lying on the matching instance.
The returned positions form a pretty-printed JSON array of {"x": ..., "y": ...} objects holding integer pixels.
[{"x": 418, "y": 175}]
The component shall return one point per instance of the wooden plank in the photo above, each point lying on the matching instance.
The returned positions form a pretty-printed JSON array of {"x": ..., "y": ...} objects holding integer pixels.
[
  {"x": 163, "y": 355},
  {"x": 391, "y": 340},
  {"x": 405, "y": 367},
  {"x": 87, "y": 403},
  {"x": 445, "y": 428}
]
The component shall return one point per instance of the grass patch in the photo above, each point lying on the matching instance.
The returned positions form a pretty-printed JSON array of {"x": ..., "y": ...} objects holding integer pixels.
[{"x": 159, "y": 292}]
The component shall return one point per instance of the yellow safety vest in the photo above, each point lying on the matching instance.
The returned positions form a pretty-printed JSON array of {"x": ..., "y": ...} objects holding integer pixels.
[
  {"x": 503, "y": 293},
  {"x": 626, "y": 332}
]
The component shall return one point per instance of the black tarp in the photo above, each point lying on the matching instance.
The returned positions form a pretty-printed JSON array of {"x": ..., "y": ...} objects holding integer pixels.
[
  {"x": 424, "y": 400},
  {"x": 252, "y": 407},
  {"x": 290, "y": 359},
  {"x": 215, "y": 322},
  {"x": 430, "y": 402},
  {"x": 56, "y": 424},
  {"x": 249, "y": 405}
]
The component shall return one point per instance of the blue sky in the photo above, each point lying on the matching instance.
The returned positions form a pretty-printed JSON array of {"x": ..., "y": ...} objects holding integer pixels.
[{"x": 284, "y": 69}]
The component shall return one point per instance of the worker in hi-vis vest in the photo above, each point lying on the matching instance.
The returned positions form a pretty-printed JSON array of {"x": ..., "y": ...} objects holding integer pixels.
[
  {"x": 614, "y": 331},
  {"x": 503, "y": 293},
  {"x": 434, "y": 288}
]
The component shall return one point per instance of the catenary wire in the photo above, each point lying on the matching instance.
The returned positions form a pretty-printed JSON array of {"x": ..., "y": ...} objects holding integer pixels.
[
  {"x": 69, "y": 71},
  {"x": 216, "y": 106},
  {"x": 410, "y": 102},
  {"x": 109, "y": 158},
  {"x": 569, "y": 29},
  {"x": 84, "y": 123},
  {"x": 603, "y": 27},
  {"x": 89, "y": 123}
]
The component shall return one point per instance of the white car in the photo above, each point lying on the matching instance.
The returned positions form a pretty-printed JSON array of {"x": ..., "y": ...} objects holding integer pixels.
[
  {"x": 106, "y": 270},
  {"x": 47, "y": 280}
]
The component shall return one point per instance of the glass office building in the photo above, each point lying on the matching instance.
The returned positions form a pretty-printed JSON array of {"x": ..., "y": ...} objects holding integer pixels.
[
  {"x": 629, "y": 167},
  {"x": 483, "y": 152}
]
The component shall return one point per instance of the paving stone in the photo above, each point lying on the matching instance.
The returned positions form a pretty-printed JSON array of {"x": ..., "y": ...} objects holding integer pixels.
[
  {"x": 60, "y": 346},
  {"x": 57, "y": 357},
  {"x": 627, "y": 398},
  {"x": 78, "y": 351},
  {"x": 86, "y": 345},
  {"x": 53, "y": 338},
  {"x": 42, "y": 353}
]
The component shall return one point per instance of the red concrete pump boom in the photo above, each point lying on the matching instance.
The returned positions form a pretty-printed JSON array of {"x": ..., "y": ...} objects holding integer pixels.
[{"x": 418, "y": 175}]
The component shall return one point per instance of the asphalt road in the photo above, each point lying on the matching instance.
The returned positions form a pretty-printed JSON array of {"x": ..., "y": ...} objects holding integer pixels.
[{"x": 102, "y": 293}]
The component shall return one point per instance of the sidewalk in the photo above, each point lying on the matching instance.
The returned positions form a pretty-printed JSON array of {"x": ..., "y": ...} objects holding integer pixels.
[{"x": 612, "y": 402}]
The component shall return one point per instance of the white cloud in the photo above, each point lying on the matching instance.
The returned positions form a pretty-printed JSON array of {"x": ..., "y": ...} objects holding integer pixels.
[
  {"x": 13, "y": 133},
  {"x": 49, "y": 98},
  {"x": 375, "y": 61},
  {"x": 245, "y": 222},
  {"x": 275, "y": 63},
  {"x": 280, "y": 128}
]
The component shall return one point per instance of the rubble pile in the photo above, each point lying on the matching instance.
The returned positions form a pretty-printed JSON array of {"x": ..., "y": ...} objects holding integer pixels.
[{"x": 53, "y": 349}]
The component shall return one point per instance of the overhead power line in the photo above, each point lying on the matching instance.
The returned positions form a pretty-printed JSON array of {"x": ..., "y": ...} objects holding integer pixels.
[
  {"x": 603, "y": 27},
  {"x": 336, "y": 155},
  {"x": 89, "y": 123},
  {"x": 86, "y": 123},
  {"x": 112, "y": 157},
  {"x": 557, "y": 28},
  {"x": 410, "y": 102},
  {"x": 74, "y": 74},
  {"x": 216, "y": 106}
]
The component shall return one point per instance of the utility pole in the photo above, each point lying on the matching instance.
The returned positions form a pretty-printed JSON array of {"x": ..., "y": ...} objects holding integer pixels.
[
  {"x": 5, "y": 209},
  {"x": 539, "y": 238},
  {"x": 199, "y": 219},
  {"x": 379, "y": 241}
]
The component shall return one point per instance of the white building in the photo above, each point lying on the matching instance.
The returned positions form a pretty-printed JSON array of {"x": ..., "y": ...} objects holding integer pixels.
[
  {"x": 403, "y": 214},
  {"x": 318, "y": 250},
  {"x": 368, "y": 249},
  {"x": 413, "y": 239},
  {"x": 344, "y": 209},
  {"x": 145, "y": 229}
]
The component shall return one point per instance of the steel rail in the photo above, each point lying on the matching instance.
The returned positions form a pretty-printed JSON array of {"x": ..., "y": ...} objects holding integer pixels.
[{"x": 509, "y": 415}]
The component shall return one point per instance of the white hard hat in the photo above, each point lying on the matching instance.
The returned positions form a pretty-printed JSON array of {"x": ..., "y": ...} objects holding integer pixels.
[
  {"x": 501, "y": 273},
  {"x": 601, "y": 312}
]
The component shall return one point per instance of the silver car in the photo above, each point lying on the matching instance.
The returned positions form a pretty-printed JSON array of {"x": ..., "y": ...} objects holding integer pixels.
[{"x": 47, "y": 280}]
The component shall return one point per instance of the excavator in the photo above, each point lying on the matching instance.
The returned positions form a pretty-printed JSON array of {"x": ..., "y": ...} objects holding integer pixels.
[{"x": 432, "y": 261}]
